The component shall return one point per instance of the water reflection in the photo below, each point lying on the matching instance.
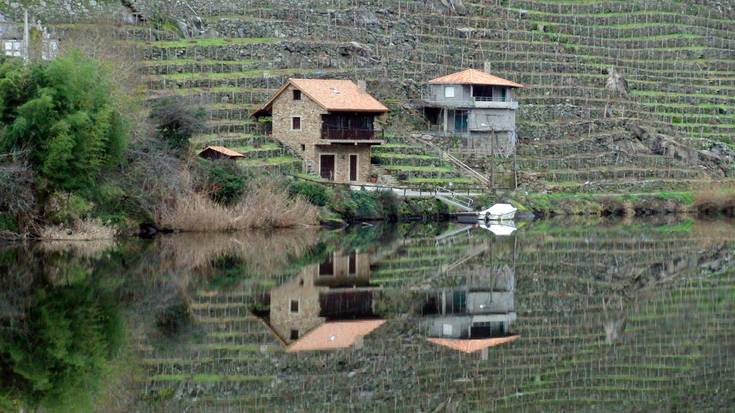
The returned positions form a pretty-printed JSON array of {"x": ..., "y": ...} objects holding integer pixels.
[
  {"x": 605, "y": 315},
  {"x": 326, "y": 306}
]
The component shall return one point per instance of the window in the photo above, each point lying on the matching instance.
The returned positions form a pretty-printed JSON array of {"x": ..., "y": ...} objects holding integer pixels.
[
  {"x": 296, "y": 94},
  {"x": 296, "y": 123},
  {"x": 326, "y": 268},
  {"x": 353, "y": 263},
  {"x": 449, "y": 92},
  {"x": 294, "y": 334},
  {"x": 303, "y": 147},
  {"x": 446, "y": 330},
  {"x": 294, "y": 306}
]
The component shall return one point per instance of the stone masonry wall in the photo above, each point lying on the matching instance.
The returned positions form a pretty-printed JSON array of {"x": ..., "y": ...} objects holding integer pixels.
[{"x": 285, "y": 108}]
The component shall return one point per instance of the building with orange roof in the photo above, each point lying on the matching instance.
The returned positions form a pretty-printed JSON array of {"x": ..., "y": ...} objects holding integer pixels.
[
  {"x": 475, "y": 105},
  {"x": 219, "y": 152},
  {"x": 330, "y": 123}
]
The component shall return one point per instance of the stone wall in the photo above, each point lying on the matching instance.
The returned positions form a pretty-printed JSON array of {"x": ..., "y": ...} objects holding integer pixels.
[
  {"x": 304, "y": 141},
  {"x": 342, "y": 161}
]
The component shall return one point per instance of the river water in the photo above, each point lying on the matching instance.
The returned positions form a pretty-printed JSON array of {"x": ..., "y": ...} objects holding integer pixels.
[{"x": 561, "y": 315}]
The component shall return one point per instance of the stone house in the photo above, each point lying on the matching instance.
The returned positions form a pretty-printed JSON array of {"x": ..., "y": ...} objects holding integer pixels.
[
  {"x": 476, "y": 106},
  {"x": 330, "y": 123}
]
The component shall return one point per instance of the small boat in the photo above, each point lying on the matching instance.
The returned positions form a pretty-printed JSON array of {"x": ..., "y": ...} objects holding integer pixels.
[
  {"x": 499, "y": 228},
  {"x": 498, "y": 212}
]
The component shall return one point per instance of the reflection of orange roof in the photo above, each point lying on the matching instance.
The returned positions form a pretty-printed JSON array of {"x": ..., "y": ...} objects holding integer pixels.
[
  {"x": 333, "y": 95},
  {"x": 474, "y": 77},
  {"x": 223, "y": 150},
  {"x": 472, "y": 345},
  {"x": 334, "y": 335}
]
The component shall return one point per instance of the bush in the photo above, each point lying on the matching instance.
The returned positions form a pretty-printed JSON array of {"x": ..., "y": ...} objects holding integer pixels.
[
  {"x": 225, "y": 182},
  {"x": 312, "y": 192},
  {"x": 343, "y": 204},
  {"x": 366, "y": 204},
  {"x": 176, "y": 122},
  {"x": 67, "y": 208},
  {"x": 7, "y": 222},
  {"x": 65, "y": 115},
  {"x": 390, "y": 205}
]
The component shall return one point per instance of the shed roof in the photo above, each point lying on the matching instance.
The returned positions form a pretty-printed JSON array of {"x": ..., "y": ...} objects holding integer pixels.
[
  {"x": 334, "y": 95},
  {"x": 473, "y": 77},
  {"x": 471, "y": 345},
  {"x": 223, "y": 151},
  {"x": 333, "y": 335}
]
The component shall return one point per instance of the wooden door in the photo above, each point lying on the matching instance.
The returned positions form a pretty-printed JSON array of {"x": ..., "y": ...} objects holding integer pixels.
[
  {"x": 353, "y": 168},
  {"x": 326, "y": 167}
]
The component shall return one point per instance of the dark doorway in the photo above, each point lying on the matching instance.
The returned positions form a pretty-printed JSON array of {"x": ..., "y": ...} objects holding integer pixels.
[
  {"x": 353, "y": 168},
  {"x": 460, "y": 121},
  {"x": 326, "y": 267},
  {"x": 326, "y": 167}
]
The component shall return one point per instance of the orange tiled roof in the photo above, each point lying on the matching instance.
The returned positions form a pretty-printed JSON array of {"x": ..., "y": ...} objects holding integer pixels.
[
  {"x": 474, "y": 77},
  {"x": 223, "y": 150},
  {"x": 471, "y": 345},
  {"x": 333, "y": 95},
  {"x": 334, "y": 335}
]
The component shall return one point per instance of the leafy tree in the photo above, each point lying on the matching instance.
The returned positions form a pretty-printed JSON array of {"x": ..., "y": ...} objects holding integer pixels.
[
  {"x": 176, "y": 122},
  {"x": 63, "y": 114}
]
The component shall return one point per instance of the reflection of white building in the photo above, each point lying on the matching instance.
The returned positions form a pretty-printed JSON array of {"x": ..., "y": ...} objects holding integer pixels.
[{"x": 475, "y": 316}]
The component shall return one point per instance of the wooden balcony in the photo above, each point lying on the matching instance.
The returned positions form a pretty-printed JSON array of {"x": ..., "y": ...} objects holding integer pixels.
[{"x": 351, "y": 134}]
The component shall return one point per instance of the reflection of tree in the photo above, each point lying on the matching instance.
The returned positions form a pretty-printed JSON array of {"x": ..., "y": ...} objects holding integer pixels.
[{"x": 54, "y": 355}]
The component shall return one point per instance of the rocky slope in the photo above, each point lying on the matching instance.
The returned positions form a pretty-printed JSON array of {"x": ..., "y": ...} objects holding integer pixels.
[{"x": 619, "y": 94}]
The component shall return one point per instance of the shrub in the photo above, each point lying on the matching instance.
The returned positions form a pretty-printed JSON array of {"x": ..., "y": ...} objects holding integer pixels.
[
  {"x": 225, "y": 181},
  {"x": 7, "y": 222},
  {"x": 64, "y": 114},
  {"x": 67, "y": 208},
  {"x": 176, "y": 122},
  {"x": 390, "y": 205},
  {"x": 343, "y": 204},
  {"x": 265, "y": 205},
  {"x": 366, "y": 205},
  {"x": 312, "y": 192}
]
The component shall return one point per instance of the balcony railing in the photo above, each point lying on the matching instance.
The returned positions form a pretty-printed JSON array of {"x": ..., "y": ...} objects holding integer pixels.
[
  {"x": 351, "y": 133},
  {"x": 469, "y": 101}
]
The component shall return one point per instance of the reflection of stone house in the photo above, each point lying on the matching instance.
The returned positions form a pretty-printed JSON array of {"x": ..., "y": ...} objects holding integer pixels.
[
  {"x": 328, "y": 305},
  {"x": 476, "y": 106},
  {"x": 330, "y": 123},
  {"x": 474, "y": 316}
]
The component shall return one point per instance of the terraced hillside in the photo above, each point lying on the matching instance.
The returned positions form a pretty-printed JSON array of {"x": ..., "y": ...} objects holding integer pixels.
[
  {"x": 657, "y": 322},
  {"x": 678, "y": 61}
]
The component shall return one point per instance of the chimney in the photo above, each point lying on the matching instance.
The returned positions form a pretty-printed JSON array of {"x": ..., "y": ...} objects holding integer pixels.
[{"x": 362, "y": 85}]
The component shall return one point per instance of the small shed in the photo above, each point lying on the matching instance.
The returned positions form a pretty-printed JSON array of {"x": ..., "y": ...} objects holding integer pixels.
[{"x": 219, "y": 152}]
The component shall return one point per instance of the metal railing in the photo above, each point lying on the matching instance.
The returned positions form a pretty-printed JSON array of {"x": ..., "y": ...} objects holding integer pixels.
[
  {"x": 351, "y": 133},
  {"x": 468, "y": 100}
]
